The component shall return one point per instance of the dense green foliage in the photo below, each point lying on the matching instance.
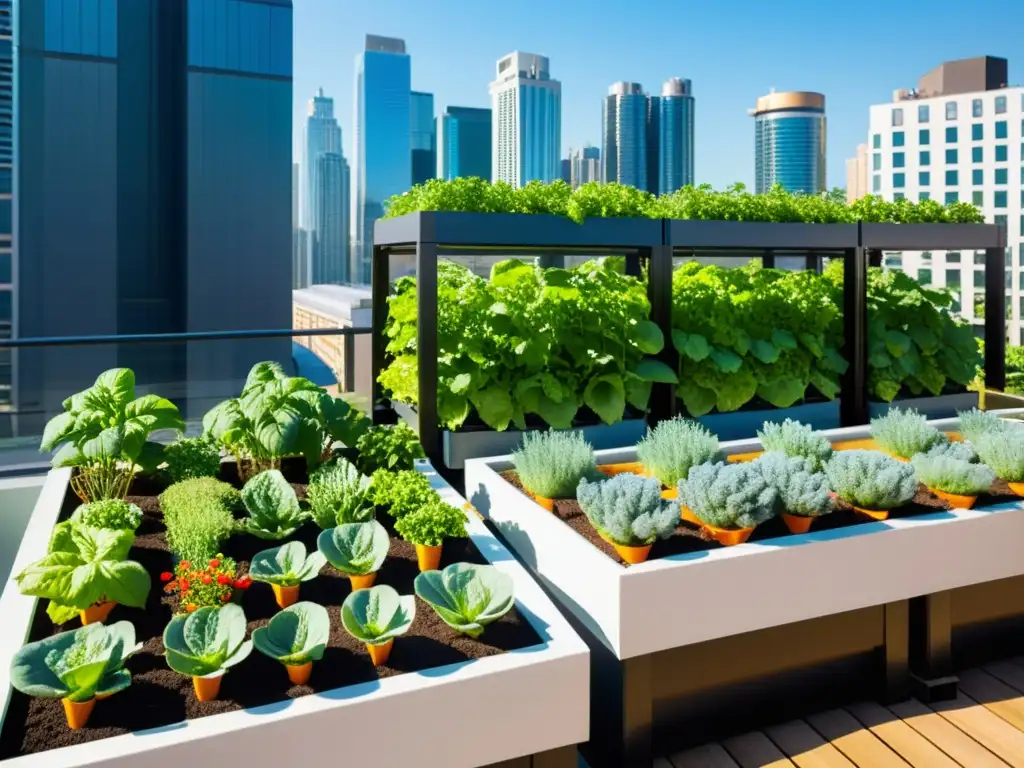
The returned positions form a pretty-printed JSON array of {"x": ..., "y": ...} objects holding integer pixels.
[
  {"x": 287, "y": 565},
  {"x": 905, "y": 433},
  {"x": 551, "y": 464},
  {"x": 730, "y": 496},
  {"x": 871, "y": 480},
  {"x": 801, "y": 486},
  {"x": 338, "y": 494},
  {"x": 401, "y": 492},
  {"x": 669, "y": 450},
  {"x": 394, "y": 447},
  {"x": 796, "y": 440},
  {"x": 432, "y": 523},
  {"x": 198, "y": 516},
  {"x": 192, "y": 457},
  {"x": 628, "y": 509},
  {"x": 108, "y": 513},
  {"x": 944, "y": 473}
]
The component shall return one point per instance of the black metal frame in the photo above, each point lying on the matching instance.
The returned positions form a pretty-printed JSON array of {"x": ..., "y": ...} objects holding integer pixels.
[{"x": 175, "y": 338}]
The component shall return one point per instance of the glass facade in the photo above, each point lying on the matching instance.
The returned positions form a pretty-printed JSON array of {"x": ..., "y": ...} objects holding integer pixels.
[
  {"x": 676, "y": 141},
  {"x": 323, "y": 134},
  {"x": 423, "y": 137},
  {"x": 540, "y": 123},
  {"x": 526, "y": 121},
  {"x": 239, "y": 36},
  {"x": 80, "y": 27},
  {"x": 789, "y": 149},
  {"x": 624, "y": 134},
  {"x": 464, "y": 143},
  {"x": 330, "y": 252}
]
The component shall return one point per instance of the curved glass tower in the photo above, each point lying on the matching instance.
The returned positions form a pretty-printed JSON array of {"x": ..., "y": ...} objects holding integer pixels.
[
  {"x": 675, "y": 135},
  {"x": 624, "y": 146},
  {"x": 789, "y": 142}
]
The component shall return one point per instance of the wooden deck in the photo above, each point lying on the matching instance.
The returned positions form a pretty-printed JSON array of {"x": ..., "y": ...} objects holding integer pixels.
[{"x": 983, "y": 728}]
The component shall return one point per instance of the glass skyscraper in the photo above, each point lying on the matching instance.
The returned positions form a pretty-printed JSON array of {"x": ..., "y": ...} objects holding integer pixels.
[
  {"x": 624, "y": 135},
  {"x": 789, "y": 142},
  {"x": 330, "y": 253},
  {"x": 464, "y": 143},
  {"x": 675, "y": 136},
  {"x": 423, "y": 137},
  {"x": 323, "y": 134},
  {"x": 383, "y": 146}
]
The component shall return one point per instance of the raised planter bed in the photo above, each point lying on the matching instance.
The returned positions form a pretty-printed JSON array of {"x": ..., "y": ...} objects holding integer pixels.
[
  {"x": 941, "y": 407},
  {"x": 703, "y": 640},
  {"x": 520, "y": 691}
]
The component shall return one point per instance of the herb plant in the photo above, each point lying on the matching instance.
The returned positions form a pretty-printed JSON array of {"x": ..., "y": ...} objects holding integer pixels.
[
  {"x": 628, "y": 509},
  {"x": 551, "y": 464},
  {"x": 871, "y": 480},
  {"x": 467, "y": 597},
  {"x": 108, "y": 513},
  {"x": 950, "y": 475},
  {"x": 295, "y": 635},
  {"x": 198, "y": 516},
  {"x": 401, "y": 492},
  {"x": 952, "y": 450},
  {"x": 802, "y": 489},
  {"x": 207, "y": 641},
  {"x": 192, "y": 457},
  {"x": 273, "y": 507},
  {"x": 377, "y": 614},
  {"x": 797, "y": 440},
  {"x": 338, "y": 494},
  {"x": 198, "y": 585},
  {"x": 729, "y": 496},
  {"x": 672, "y": 448},
  {"x": 975, "y": 424},
  {"x": 356, "y": 549},
  {"x": 1004, "y": 453},
  {"x": 287, "y": 565},
  {"x": 905, "y": 433},
  {"x": 389, "y": 446},
  {"x": 432, "y": 523}
]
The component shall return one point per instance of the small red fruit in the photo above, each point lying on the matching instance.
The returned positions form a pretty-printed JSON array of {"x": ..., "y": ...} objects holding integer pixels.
[
  {"x": 214, "y": 563},
  {"x": 166, "y": 576},
  {"x": 184, "y": 565},
  {"x": 243, "y": 583},
  {"x": 223, "y": 579},
  {"x": 206, "y": 578},
  {"x": 184, "y": 584}
]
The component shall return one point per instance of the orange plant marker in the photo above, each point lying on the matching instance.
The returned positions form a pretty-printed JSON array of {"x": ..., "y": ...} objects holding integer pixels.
[
  {"x": 77, "y": 712},
  {"x": 285, "y": 596},
  {"x": 299, "y": 673},
  {"x": 739, "y": 457},
  {"x": 379, "y": 653},
  {"x": 1017, "y": 488},
  {"x": 429, "y": 557},
  {"x": 362, "y": 582},
  {"x": 955, "y": 500},
  {"x": 874, "y": 514}
]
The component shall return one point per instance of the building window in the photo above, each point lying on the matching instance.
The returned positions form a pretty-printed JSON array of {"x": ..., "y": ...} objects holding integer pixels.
[
  {"x": 953, "y": 257},
  {"x": 978, "y": 197},
  {"x": 952, "y": 178},
  {"x": 1000, "y": 105},
  {"x": 899, "y": 160},
  {"x": 951, "y": 134},
  {"x": 924, "y": 276},
  {"x": 952, "y": 277},
  {"x": 876, "y": 141},
  {"x": 1001, "y": 129},
  {"x": 951, "y": 110},
  {"x": 898, "y": 196},
  {"x": 924, "y": 178},
  {"x": 894, "y": 260},
  {"x": 951, "y": 157},
  {"x": 977, "y": 154},
  {"x": 876, "y": 161},
  {"x": 1000, "y": 219},
  {"x": 977, "y": 132},
  {"x": 979, "y": 259},
  {"x": 976, "y": 107},
  {"x": 926, "y": 157},
  {"x": 979, "y": 277},
  {"x": 897, "y": 117},
  {"x": 924, "y": 195},
  {"x": 898, "y": 138},
  {"x": 924, "y": 137},
  {"x": 922, "y": 113},
  {"x": 899, "y": 180},
  {"x": 977, "y": 177},
  {"x": 1001, "y": 153},
  {"x": 1001, "y": 174},
  {"x": 926, "y": 256},
  {"x": 952, "y": 197},
  {"x": 876, "y": 183},
  {"x": 1020, "y": 255},
  {"x": 1000, "y": 198}
]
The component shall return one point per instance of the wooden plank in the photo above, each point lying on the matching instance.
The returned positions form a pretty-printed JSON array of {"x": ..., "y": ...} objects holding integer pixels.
[
  {"x": 854, "y": 740},
  {"x": 946, "y": 736},
  {"x": 994, "y": 695},
  {"x": 904, "y": 740},
  {"x": 706, "y": 756},
  {"x": 755, "y": 750},
  {"x": 985, "y": 727},
  {"x": 805, "y": 747},
  {"x": 1010, "y": 672}
]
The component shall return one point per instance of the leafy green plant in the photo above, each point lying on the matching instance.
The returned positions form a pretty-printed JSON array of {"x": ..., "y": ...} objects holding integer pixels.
[
  {"x": 295, "y": 635},
  {"x": 287, "y": 565},
  {"x": 905, "y": 433},
  {"x": 198, "y": 516},
  {"x": 104, "y": 432},
  {"x": 467, "y": 597},
  {"x": 729, "y": 496},
  {"x": 627, "y": 509},
  {"x": 551, "y": 464},
  {"x": 1004, "y": 453},
  {"x": 975, "y": 424},
  {"x": 108, "y": 513},
  {"x": 206, "y": 641},
  {"x": 943, "y": 473},
  {"x": 673, "y": 447},
  {"x": 273, "y": 507},
  {"x": 389, "y": 446},
  {"x": 192, "y": 457},
  {"x": 952, "y": 450},
  {"x": 355, "y": 548},
  {"x": 338, "y": 494},
  {"x": 798, "y": 440},
  {"x": 432, "y": 523},
  {"x": 77, "y": 665},
  {"x": 801, "y": 487},
  {"x": 401, "y": 492},
  {"x": 377, "y": 614},
  {"x": 871, "y": 480}
]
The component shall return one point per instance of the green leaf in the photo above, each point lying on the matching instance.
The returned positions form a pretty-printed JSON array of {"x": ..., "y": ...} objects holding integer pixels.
[
  {"x": 726, "y": 361},
  {"x": 377, "y": 614},
  {"x": 106, "y": 446},
  {"x": 879, "y": 360},
  {"x": 813, "y": 343},
  {"x": 56, "y": 430},
  {"x": 897, "y": 343},
  {"x": 742, "y": 344},
  {"x": 736, "y": 391},
  {"x": 693, "y": 345},
  {"x": 296, "y": 635},
  {"x": 154, "y": 413},
  {"x": 120, "y": 383},
  {"x": 494, "y": 406},
  {"x": 558, "y": 415},
  {"x": 638, "y": 392},
  {"x": 783, "y": 339},
  {"x": 824, "y": 384},
  {"x": 698, "y": 400},
  {"x": 355, "y": 548},
  {"x": 461, "y": 383},
  {"x": 651, "y": 369},
  {"x": 648, "y": 337},
  {"x": 467, "y": 597},
  {"x": 273, "y": 507},
  {"x": 764, "y": 351},
  {"x": 924, "y": 338},
  {"x": 61, "y": 614},
  {"x": 886, "y": 389},
  {"x": 834, "y": 361},
  {"x": 452, "y": 410},
  {"x": 606, "y": 396},
  {"x": 782, "y": 392}
]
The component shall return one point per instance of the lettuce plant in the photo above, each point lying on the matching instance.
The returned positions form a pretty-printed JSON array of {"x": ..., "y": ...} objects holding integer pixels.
[
  {"x": 871, "y": 480},
  {"x": 729, "y": 496},
  {"x": 198, "y": 516},
  {"x": 108, "y": 513},
  {"x": 795, "y": 439},
  {"x": 295, "y": 635},
  {"x": 355, "y": 548},
  {"x": 672, "y": 448},
  {"x": 339, "y": 494},
  {"x": 628, "y": 509},
  {"x": 207, "y": 641},
  {"x": 273, "y": 507},
  {"x": 192, "y": 457},
  {"x": 389, "y": 446},
  {"x": 432, "y": 523},
  {"x": 287, "y": 565},
  {"x": 377, "y": 614},
  {"x": 467, "y": 597},
  {"x": 802, "y": 489},
  {"x": 975, "y": 424},
  {"x": 905, "y": 433},
  {"x": 951, "y": 475},
  {"x": 551, "y": 464},
  {"x": 77, "y": 665},
  {"x": 1004, "y": 453},
  {"x": 401, "y": 492}
]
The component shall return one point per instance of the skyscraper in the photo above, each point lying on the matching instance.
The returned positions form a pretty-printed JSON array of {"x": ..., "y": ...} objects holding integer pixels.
[
  {"x": 323, "y": 134},
  {"x": 857, "y": 174},
  {"x": 584, "y": 165},
  {"x": 424, "y": 137},
  {"x": 624, "y": 135},
  {"x": 789, "y": 142},
  {"x": 675, "y": 136},
  {"x": 464, "y": 143},
  {"x": 653, "y": 131},
  {"x": 383, "y": 146},
  {"x": 527, "y": 120},
  {"x": 300, "y": 253},
  {"x": 6, "y": 202},
  {"x": 331, "y": 255}
]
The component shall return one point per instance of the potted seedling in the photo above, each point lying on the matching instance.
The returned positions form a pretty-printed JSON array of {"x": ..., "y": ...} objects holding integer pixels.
[
  {"x": 284, "y": 568},
  {"x": 551, "y": 464},
  {"x": 108, "y": 513},
  {"x": 803, "y": 491},
  {"x": 672, "y": 448},
  {"x": 356, "y": 549},
  {"x": 273, "y": 507},
  {"x": 296, "y": 637},
  {"x": 205, "y": 644},
  {"x": 338, "y": 494},
  {"x": 795, "y": 439},
  {"x": 400, "y": 493},
  {"x": 1004, "y": 453},
  {"x": 77, "y": 667},
  {"x": 628, "y": 512},
  {"x": 904, "y": 433},
  {"x": 727, "y": 500},
  {"x": 376, "y": 616},
  {"x": 953, "y": 480},
  {"x": 871, "y": 482},
  {"x": 428, "y": 527},
  {"x": 975, "y": 424},
  {"x": 466, "y": 596}
]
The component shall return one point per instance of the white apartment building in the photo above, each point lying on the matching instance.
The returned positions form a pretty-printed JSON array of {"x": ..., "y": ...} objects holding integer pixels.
[{"x": 958, "y": 137}]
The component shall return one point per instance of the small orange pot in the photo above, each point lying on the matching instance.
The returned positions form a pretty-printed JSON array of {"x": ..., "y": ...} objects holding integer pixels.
[
  {"x": 873, "y": 514},
  {"x": 898, "y": 458},
  {"x": 208, "y": 687},
  {"x": 797, "y": 523},
  {"x": 362, "y": 582},
  {"x": 956, "y": 501},
  {"x": 1017, "y": 488},
  {"x": 544, "y": 501},
  {"x": 77, "y": 712},
  {"x": 689, "y": 517},
  {"x": 379, "y": 653},
  {"x": 634, "y": 467},
  {"x": 429, "y": 557},
  {"x": 299, "y": 673},
  {"x": 97, "y": 613},
  {"x": 728, "y": 537},
  {"x": 670, "y": 494},
  {"x": 285, "y": 596},
  {"x": 632, "y": 555},
  {"x": 737, "y": 458}
]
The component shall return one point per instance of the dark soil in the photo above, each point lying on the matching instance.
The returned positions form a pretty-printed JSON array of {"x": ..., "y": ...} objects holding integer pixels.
[
  {"x": 689, "y": 538},
  {"x": 160, "y": 697}
]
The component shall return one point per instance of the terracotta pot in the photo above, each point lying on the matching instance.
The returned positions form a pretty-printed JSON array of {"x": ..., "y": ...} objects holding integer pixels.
[
  {"x": 873, "y": 514},
  {"x": 97, "y": 613},
  {"x": 1017, "y": 488},
  {"x": 77, "y": 712},
  {"x": 955, "y": 500},
  {"x": 299, "y": 673},
  {"x": 689, "y": 517},
  {"x": 207, "y": 687},
  {"x": 632, "y": 555},
  {"x": 285, "y": 596},
  {"x": 634, "y": 467},
  {"x": 379, "y": 653},
  {"x": 365, "y": 581},
  {"x": 670, "y": 494},
  {"x": 429, "y": 557},
  {"x": 737, "y": 458},
  {"x": 797, "y": 523},
  {"x": 544, "y": 501},
  {"x": 728, "y": 537}
]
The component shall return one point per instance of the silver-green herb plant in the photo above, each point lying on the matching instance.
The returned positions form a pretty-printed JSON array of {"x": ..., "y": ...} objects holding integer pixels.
[
  {"x": 952, "y": 450},
  {"x": 672, "y": 448},
  {"x": 1004, "y": 453},
  {"x": 871, "y": 480},
  {"x": 378, "y": 614},
  {"x": 729, "y": 496},
  {"x": 551, "y": 464},
  {"x": 802, "y": 490},
  {"x": 628, "y": 509},
  {"x": 192, "y": 457},
  {"x": 295, "y": 635},
  {"x": 795, "y": 439},
  {"x": 273, "y": 507},
  {"x": 355, "y": 548},
  {"x": 77, "y": 665},
  {"x": 108, "y": 513},
  {"x": 975, "y": 424},
  {"x": 207, "y": 641},
  {"x": 951, "y": 475},
  {"x": 905, "y": 433},
  {"x": 337, "y": 494},
  {"x": 287, "y": 565},
  {"x": 467, "y": 597}
]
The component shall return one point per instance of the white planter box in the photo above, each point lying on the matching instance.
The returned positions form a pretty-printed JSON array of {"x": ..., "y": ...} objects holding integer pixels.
[
  {"x": 732, "y": 590},
  {"x": 501, "y": 707}
]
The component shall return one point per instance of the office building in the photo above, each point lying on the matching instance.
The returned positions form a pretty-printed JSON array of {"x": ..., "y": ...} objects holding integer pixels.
[
  {"x": 330, "y": 252},
  {"x": 624, "y": 135},
  {"x": 789, "y": 142},
  {"x": 956, "y": 138},
  {"x": 323, "y": 134},
  {"x": 464, "y": 143},
  {"x": 857, "y": 174},
  {"x": 653, "y": 137},
  {"x": 6, "y": 205},
  {"x": 300, "y": 254},
  {"x": 584, "y": 165},
  {"x": 675, "y": 136},
  {"x": 565, "y": 170},
  {"x": 423, "y": 137},
  {"x": 383, "y": 145},
  {"x": 527, "y": 120},
  {"x": 154, "y": 173}
]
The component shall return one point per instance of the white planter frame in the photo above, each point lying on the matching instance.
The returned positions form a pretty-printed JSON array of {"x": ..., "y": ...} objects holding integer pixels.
[{"x": 525, "y": 702}]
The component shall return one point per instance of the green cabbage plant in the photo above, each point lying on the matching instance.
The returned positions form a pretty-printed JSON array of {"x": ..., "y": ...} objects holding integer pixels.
[
  {"x": 287, "y": 565},
  {"x": 729, "y": 496},
  {"x": 802, "y": 489},
  {"x": 401, "y": 492},
  {"x": 628, "y": 509},
  {"x": 1004, "y": 453},
  {"x": 108, "y": 513},
  {"x": 975, "y": 424},
  {"x": 355, "y": 548},
  {"x": 672, "y": 448},
  {"x": 273, "y": 507},
  {"x": 905, "y": 433},
  {"x": 467, "y": 597},
  {"x": 378, "y": 614},
  {"x": 207, "y": 641},
  {"x": 295, "y": 635},
  {"x": 337, "y": 494},
  {"x": 795, "y": 439},
  {"x": 871, "y": 480},
  {"x": 951, "y": 475},
  {"x": 551, "y": 464}
]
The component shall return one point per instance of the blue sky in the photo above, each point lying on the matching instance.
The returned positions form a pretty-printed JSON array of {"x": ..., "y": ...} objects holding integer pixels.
[{"x": 856, "y": 52}]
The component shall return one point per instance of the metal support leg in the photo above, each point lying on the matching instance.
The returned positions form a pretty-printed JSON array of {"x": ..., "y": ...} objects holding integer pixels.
[
  {"x": 995, "y": 319},
  {"x": 854, "y": 394},
  {"x": 659, "y": 293},
  {"x": 897, "y": 651},
  {"x": 426, "y": 331},
  {"x": 379, "y": 288},
  {"x": 931, "y": 658}
]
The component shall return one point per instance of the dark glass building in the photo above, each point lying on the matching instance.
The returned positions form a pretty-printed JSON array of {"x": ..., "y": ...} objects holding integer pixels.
[
  {"x": 675, "y": 136},
  {"x": 789, "y": 142},
  {"x": 464, "y": 143},
  {"x": 423, "y": 137}
]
